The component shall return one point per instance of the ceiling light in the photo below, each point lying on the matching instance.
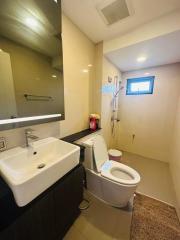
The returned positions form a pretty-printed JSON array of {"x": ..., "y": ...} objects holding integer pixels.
[
  {"x": 90, "y": 65},
  {"x": 85, "y": 70},
  {"x": 141, "y": 59},
  {"x": 54, "y": 76},
  {"x": 55, "y": 1},
  {"x": 1, "y": 50},
  {"x": 31, "y": 22}
]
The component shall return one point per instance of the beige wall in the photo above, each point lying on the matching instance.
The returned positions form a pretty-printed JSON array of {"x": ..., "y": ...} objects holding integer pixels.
[
  {"x": 175, "y": 156},
  {"x": 150, "y": 117},
  {"x": 102, "y": 101},
  {"x": 78, "y": 53},
  {"x": 109, "y": 70},
  {"x": 97, "y": 83}
]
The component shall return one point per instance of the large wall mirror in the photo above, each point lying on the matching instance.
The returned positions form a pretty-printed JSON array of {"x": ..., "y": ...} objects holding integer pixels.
[{"x": 31, "y": 63}]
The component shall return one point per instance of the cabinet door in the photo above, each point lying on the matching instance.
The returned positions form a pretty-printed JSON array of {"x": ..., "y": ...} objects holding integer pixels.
[
  {"x": 8, "y": 233},
  {"x": 43, "y": 213},
  {"x": 67, "y": 197},
  {"x": 26, "y": 227},
  {"x": 63, "y": 204},
  {"x": 77, "y": 186},
  {"x": 37, "y": 222}
]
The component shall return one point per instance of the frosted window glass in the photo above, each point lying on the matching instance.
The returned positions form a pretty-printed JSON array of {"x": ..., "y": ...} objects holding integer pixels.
[{"x": 141, "y": 86}]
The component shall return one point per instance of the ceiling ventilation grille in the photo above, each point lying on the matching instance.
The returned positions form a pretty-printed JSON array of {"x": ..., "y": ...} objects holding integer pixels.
[{"x": 113, "y": 11}]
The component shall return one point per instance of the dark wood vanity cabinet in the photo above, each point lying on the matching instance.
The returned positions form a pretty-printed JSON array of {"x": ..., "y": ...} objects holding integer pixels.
[{"x": 51, "y": 214}]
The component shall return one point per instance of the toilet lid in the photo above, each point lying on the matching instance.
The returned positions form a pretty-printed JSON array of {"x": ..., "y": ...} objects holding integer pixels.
[
  {"x": 100, "y": 152},
  {"x": 120, "y": 173}
]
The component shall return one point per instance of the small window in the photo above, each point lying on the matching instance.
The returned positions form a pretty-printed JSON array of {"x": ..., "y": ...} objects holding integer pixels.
[{"x": 142, "y": 85}]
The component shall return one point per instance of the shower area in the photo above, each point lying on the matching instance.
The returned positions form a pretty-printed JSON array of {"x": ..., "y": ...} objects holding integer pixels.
[{"x": 129, "y": 124}]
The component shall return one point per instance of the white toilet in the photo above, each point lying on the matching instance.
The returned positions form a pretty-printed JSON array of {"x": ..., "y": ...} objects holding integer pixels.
[{"x": 112, "y": 182}]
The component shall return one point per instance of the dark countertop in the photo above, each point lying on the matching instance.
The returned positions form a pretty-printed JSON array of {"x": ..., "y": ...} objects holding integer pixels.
[
  {"x": 7, "y": 203},
  {"x": 74, "y": 137}
]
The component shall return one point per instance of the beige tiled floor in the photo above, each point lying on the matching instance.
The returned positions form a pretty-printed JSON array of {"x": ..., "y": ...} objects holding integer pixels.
[
  {"x": 103, "y": 222},
  {"x": 156, "y": 179}
]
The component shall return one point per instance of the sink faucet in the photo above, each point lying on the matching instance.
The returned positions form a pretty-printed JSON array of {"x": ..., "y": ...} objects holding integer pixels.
[{"x": 28, "y": 136}]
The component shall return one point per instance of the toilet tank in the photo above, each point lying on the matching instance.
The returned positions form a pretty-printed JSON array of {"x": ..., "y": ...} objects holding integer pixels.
[
  {"x": 88, "y": 144},
  {"x": 88, "y": 156}
]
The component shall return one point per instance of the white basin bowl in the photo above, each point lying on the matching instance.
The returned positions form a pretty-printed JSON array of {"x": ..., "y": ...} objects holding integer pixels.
[{"x": 30, "y": 171}]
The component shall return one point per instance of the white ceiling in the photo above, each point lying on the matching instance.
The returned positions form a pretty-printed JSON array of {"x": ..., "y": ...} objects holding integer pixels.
[
  {"x": 85, "y": 15},
  {"x": 159, "y": 51}
]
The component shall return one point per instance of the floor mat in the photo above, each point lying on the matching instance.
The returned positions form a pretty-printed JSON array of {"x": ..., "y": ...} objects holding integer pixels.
[{"x": 153, "y": 220}]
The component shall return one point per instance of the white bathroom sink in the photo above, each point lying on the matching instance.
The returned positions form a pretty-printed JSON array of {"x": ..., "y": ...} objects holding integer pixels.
[{"x": 30, "y": 171}]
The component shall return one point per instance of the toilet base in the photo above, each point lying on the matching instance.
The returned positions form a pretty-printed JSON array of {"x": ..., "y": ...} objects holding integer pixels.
[
  {"x": 112, "y": 193},
  {"x": 100, "y": 199}
]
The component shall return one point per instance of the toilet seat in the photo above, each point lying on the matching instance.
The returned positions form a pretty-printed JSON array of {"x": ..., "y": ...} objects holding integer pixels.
[
  {"x": 112, "y": 170},
  {"x": 120, "y": 173}
]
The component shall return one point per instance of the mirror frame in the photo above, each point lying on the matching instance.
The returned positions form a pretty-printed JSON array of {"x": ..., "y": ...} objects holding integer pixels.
[{"x": 8, "y": 126}]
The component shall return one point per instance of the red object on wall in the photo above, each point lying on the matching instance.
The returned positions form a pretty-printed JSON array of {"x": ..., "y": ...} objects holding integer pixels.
[{"x": 93, "y": 124}]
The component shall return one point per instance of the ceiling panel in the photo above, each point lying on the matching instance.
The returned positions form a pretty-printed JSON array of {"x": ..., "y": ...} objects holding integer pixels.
[
  {"x": 85, "y": 15},
  {"x": 158, "y": 51}
]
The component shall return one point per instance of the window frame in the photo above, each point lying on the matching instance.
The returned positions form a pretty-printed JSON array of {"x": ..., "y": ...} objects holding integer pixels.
[{"x": 149, "y": 79}]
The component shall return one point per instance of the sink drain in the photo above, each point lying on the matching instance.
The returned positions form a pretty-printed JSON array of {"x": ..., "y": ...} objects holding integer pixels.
[{"x": 42, "y": 165}]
